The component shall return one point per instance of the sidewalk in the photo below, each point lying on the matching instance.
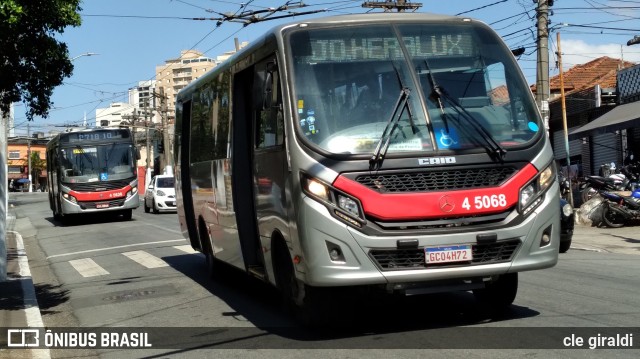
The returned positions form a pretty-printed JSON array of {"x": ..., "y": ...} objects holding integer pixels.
[{"x": 18, "y": 302}]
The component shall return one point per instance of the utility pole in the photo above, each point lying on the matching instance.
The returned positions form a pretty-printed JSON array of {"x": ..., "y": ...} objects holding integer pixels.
[
  {"x": 4, "y": 197},
  {"x": 168, "y": 161},
  {"x": 564, "y": 121},
  {"x": 399, "y": 5},
  {"x": 148, "y": 142},
  {"x": 542, "y": 75},
  {"x": 29, "y": 156}
]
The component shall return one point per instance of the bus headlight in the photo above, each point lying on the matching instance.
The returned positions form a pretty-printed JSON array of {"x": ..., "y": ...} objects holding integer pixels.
[
  {"x": 70, "y": 198},
  {"x": 531, "y": 194},
  {"x": 344, "y": 207}
]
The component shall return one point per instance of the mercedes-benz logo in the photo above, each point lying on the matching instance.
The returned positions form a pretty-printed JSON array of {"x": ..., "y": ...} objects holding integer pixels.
[{"x": 446, "y": 204}]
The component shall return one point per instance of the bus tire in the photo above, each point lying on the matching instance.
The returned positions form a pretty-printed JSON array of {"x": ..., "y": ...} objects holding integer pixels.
[
  {"x": 127, "y": 214},
  {"x": 497, "y": 295},
  {"x": 212, "y": 264},
  {"x": 286, "y": 281}
]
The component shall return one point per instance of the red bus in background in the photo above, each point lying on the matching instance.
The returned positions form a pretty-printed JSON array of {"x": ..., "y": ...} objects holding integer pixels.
[{"x": 92, "y": 170}]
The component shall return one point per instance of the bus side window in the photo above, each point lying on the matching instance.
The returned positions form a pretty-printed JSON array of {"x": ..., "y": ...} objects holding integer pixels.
[{"x": 269, "y": 121}]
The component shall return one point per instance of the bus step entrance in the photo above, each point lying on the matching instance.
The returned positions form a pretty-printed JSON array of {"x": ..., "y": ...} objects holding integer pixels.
[{"x": 257, "y": 271}]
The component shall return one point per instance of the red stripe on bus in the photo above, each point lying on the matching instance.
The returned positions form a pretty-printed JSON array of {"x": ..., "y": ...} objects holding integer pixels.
[
  {"x": 102, "y": 195},
  {"x": 443, "y": 204}
]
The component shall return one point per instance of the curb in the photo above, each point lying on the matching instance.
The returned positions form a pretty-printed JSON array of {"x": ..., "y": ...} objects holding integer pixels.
[{"x": 30, "y": 301}]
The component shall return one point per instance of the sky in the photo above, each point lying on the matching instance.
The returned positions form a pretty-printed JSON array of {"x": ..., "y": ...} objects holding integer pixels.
[{"x": 131, "y": 37}]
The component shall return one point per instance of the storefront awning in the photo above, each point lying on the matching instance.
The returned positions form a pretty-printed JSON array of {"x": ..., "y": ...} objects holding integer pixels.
[{"x": 621, "y": 117}]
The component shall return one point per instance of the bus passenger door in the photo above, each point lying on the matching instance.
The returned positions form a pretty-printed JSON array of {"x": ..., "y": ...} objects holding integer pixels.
[{"x": 270, "y": 161}]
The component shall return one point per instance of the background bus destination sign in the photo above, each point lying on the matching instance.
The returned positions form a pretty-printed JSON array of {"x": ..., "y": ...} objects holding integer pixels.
[
  {"x": 94, "y": 135},
  {"x": 384, "y": 48}
]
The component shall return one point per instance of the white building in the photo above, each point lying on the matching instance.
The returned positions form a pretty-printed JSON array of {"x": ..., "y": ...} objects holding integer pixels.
[
  {"x": 145, "y": 99},
  {"x": 113, "y": 115}
]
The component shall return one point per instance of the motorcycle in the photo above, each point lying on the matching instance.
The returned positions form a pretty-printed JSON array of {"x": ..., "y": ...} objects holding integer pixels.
[
  {"x": 626, "y": 180},
  {"x": 565, "y": 186},
  {"x": 617, "y": 210}
]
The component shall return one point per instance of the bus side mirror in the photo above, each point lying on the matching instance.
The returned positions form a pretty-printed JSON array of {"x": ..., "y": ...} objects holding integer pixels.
[{"x": 267, "y": 94}]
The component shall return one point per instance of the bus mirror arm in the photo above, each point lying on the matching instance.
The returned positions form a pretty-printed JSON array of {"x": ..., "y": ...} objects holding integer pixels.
[{"x": 267, "y": 94}]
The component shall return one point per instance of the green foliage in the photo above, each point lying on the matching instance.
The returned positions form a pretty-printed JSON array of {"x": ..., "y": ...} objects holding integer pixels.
[
  {"x": 38, "y": 165},
  {"x": 32, "y": 61}
]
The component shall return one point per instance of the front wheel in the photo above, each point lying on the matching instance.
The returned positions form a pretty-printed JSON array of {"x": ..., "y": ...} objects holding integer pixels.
[
  {"x": 127, "y": 214},
  {"x": 498, "y": 295},
  {"x": 146, "y": 208},
  {"x": 612, "y": 216}
]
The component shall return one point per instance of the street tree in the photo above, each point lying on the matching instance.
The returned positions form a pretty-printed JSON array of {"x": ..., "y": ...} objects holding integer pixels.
[
  {"x": 32, "y": 61},
  {"x": 38, "y": 165}
]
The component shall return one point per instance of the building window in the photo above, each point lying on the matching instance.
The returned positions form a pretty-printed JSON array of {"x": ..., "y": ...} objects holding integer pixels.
[
  {"x": 14, "y": 155},
  {"x": 15, "y": 169}
]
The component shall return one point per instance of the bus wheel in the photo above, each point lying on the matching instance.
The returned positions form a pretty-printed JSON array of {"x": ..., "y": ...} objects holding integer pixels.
[
  {"x": 308, "y": 304},
  {"x": 127, "y": 214},
  {"x": 212, "y": 264},
  {"x": 498, "y": 295}
]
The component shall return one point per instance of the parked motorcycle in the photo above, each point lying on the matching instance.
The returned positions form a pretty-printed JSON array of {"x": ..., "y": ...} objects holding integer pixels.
[
  {"x": 626, "y": 180},
  {"x": 617, "y": 210},
  {"x": 565, "y": 186}
]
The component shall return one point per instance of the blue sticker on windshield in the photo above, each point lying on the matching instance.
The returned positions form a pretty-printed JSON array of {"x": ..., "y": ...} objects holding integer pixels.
[
  {"x": 104, "y": 176},
  {"x": 533, "y": 126},
  {"x": 447, "y": 140}
]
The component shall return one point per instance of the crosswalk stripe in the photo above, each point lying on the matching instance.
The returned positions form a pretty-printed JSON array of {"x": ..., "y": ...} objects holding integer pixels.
[
  {"x": 186, "y": 248},
  {"x": 146, "y": 259},
  {"x": 87, "y": 267}
]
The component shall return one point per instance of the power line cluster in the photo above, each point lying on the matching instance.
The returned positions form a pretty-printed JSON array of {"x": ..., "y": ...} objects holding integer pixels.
[{"x": 517, "y": 29}]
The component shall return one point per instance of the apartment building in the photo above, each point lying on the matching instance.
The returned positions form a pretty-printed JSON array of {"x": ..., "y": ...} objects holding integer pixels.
[{"x": 177, "y": 73}]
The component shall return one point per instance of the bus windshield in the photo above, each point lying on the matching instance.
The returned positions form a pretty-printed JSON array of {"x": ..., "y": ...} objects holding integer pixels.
[
  {"x": 93, "y": 163},
  {"x": 465, "y": 89}
]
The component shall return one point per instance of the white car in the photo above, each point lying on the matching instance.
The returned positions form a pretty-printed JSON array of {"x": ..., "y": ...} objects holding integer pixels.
[{"x": 160, "y": 194}]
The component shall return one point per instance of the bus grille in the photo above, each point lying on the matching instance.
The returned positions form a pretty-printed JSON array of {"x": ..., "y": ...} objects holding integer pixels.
[
  {"x": 402, "y": 259},
  {"x": 99, "y": 186},
  {"x": 437, "y": 180},
  {"x": 93, "y": 205}
]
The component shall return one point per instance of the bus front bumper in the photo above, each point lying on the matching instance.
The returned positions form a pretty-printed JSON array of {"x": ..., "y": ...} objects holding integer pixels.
[
  {"x": 69, "y": 207},
  {"x": 377, "y": 260}
]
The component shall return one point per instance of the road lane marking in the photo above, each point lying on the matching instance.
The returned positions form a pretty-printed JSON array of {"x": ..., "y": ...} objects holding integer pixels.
[
  {"x": 116, "y": 247},
  {"x": 186, "y": 248},
  {"x": 29, "y": 299},
  {"x": 87, "y": 267},
  {"x": 145, "y": 259}
]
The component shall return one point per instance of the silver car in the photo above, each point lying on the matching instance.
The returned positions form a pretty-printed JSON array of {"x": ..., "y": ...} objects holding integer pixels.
[{"x": 160, "y": 195}]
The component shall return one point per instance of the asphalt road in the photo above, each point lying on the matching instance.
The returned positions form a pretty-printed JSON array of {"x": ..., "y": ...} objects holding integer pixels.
[{"x": 103, "y": 272}]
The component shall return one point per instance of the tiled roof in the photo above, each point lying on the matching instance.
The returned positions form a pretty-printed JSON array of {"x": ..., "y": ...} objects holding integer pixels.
[{"x": 601, "y": 71}]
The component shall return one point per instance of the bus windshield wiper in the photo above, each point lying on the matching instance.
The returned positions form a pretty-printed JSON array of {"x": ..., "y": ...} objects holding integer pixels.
[
  {"x": 401, "y": 104},
  {"x": 383, "y": 145},
  {"x": 439, "y": 94}
]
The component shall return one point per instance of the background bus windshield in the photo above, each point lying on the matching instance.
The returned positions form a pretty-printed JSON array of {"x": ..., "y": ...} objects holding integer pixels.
[
  {"x": 96, "y": 163},
  {"x": 348, "y": 83}
]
